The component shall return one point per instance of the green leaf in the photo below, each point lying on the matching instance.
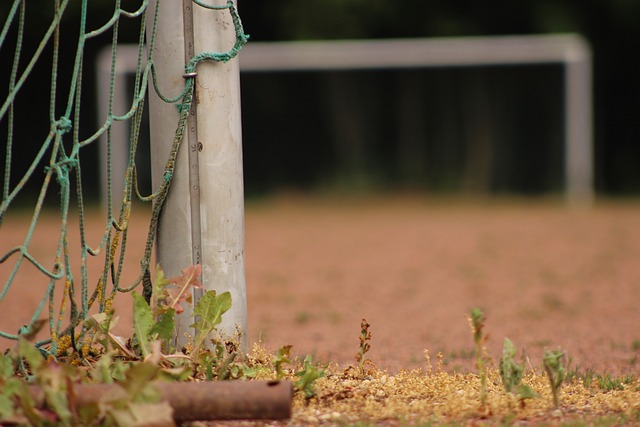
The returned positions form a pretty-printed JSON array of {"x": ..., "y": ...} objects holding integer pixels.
[
  {"x": 161, "y": 280},
  {"x": 554, "y": 367},
  {"x": 119, "y": 370},
  {"x": 108, "y": 369},
  {"x": 224, "y": 370},
  {"x": 10, "y": 388},
  {"x": 160, "y": 294},
  {"x": 552, "y": 361},
  {"x": 101, "y": 322},
  {"x": 180, "y": 373},
  {"x": 211, "y": 307},
  {"x": 526, "y": 392},
  {"x": 209, "y": 311},
  {"x": 307, "y": 378},
  {"x": 31, "y": 354},
  {"x": 138, "y": 383},
  {"x": 141, "y": 403},
  {"x": 477, "y": 322},
  {"x": 281, "y": 357},
  {"x": 89, "y": 414},
  {"x": 142, "y": 322},
  {"x": 53, "y": 380},
  {"x": 6, "y": 367},
  {"x": 252, "y": 371},
  {"x": 508, "y": 350},
  {"x": 28, "y": 405},
  {"x": 6, "y": 406},
  {"x": 165, "y": 325},
  {"x": 101, "y": 368},
  {"x": 510, "y": 371}
]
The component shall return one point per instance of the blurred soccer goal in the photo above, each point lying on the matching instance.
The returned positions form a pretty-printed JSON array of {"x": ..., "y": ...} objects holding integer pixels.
[{"x": 569, "y": 51}]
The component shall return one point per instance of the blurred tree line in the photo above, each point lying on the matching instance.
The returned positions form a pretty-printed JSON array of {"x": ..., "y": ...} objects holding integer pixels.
[{"x": 313, "y": 129}]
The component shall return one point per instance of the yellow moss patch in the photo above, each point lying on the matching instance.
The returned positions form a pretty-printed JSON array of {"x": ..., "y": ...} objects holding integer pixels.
[{"x": 414, "y": 397}]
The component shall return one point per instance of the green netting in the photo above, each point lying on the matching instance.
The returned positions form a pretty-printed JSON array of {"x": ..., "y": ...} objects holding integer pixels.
[{"x": 59, "y": 159}]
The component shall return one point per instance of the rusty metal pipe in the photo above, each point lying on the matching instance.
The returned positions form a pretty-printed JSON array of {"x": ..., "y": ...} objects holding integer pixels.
[{"x": 203, "y": 401}]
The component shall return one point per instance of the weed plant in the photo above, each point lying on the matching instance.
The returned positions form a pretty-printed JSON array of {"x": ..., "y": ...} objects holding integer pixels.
[
  {"x": 556, "y": 372},
  {"x": 134, "y": 366},
  {"x": 476, "y": 322},
  {"x": 511, "y": 374},
  {"x": 364, "y": 364}
]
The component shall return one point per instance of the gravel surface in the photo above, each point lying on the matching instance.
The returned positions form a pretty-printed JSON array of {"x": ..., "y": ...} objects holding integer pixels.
[{"x": 545, "y": 275}]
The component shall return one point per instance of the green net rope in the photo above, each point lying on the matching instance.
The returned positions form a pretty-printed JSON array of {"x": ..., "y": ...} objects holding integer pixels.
[{"x": 59, "y": 158}]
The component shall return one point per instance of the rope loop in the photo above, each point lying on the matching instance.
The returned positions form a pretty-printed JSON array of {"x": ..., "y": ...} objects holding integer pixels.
[
  {"x": 63, "y": 125},
  {"x": 62, "y": 169},
  {"x": 241, "y": 39},
  {"x": 200, "y": 3}
]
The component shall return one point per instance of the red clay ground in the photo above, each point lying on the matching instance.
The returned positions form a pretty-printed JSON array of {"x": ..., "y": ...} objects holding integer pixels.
[{"x": 544, "y": 274}]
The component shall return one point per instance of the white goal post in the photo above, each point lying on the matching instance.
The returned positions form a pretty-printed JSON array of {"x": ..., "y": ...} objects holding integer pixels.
[{"x": 570, "y": 50}]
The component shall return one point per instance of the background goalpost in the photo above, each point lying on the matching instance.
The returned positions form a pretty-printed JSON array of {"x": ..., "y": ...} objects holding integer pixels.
[{"x": 570, "y": 51}]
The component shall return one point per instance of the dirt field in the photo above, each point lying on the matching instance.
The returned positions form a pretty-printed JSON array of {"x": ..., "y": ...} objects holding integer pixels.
[{"x": 544, "y": 274}]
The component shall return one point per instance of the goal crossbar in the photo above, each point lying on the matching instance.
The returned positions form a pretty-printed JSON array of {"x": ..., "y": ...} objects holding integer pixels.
[{"x": 569, "y": 50}]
